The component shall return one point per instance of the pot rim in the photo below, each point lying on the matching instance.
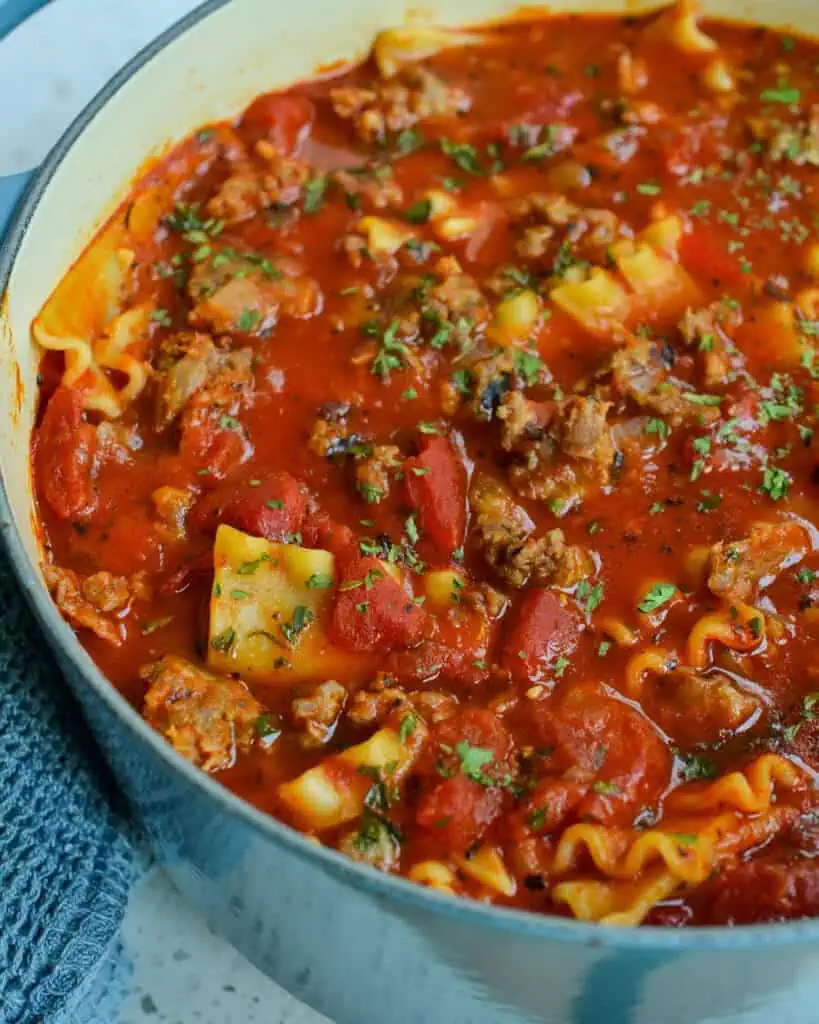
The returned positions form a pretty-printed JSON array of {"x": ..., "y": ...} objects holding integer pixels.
[{"x": 467, "y": 912}]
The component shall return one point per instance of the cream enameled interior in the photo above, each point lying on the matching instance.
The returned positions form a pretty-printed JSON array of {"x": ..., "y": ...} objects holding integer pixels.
[{"x": 243, "y": 48}]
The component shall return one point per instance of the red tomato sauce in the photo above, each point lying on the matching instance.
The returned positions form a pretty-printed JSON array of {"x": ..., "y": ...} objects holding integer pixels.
[{"x": 370, "y": 327}]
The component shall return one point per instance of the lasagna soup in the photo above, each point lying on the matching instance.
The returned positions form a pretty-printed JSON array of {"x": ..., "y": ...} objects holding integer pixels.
[{"x": 429, "y": 455}]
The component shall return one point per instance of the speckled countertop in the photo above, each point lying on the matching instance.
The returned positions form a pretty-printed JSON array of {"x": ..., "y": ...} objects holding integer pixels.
[
  {"x": 183, "y": 974},
  {"x": 178, "y": 971}
]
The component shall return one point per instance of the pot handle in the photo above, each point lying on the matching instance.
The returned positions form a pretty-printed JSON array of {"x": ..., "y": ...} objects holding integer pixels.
[{"x": 11, "y": 190}]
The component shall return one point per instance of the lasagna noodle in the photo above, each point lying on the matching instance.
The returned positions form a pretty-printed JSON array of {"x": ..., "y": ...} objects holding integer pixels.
[{"x": 750, "y": 790}]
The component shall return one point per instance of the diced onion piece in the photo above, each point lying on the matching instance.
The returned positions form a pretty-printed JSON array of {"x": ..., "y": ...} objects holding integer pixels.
[
  {"x": 269, "y": 611},
  {"x": 384, "y": 237},
  {"x": 434, "y": 875},
  {"x": 486, "y": 866},
  {"x": 396, "y": 47},
  {"x": 598, "y": 304},
  {"x": 443, "y": 587},
  {"x": 516, "y": 317},
  {"x": 334, "y": 791}
]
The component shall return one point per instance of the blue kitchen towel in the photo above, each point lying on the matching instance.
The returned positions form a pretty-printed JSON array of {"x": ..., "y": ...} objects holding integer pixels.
[{"x": 67, "y": 856}]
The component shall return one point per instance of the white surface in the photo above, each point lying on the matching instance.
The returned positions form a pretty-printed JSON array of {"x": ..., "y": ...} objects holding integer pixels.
[
  {"x": 64, "y": 54},
  {"x": 181, "y": 972}
]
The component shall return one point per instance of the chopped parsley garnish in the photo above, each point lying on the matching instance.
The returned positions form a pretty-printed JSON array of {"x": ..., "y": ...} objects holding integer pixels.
[
  {"x": 369, "y": 492},
  {"x": 464, "y": 156},
  {"x": 589, "y": 597},
  {"x": 247, "y": 320},
  {"x": 224, "y": 641},
  {"x": 660, "y": 594},
  {"x": 162, "y": 317},
  {"x": 302, "y": 617},
  {"x": 560, "y": 666},
  {"x": 528, "y": 365},
  {"x": 783, "y": 94},
  {"x": 319, "y": 581},
  {"x": 775, "y": 483},
  {"x": 696, "y": 766},
  {"x": 537, "y": 818},
  {"x": 267, "y": 728},
  {"x": 462, "y": 382},
  {"x": 408, "y": 141},
  {"x": 155, "y": 624},
  {"x": 407, "y": 726},
  {"x": 472, "y": 762},
  {"x": 605, "y": 788},
  {"x": 544, "y": 147},
  {"x": 314, "y": 192},
  {"x": 411, "y": 528},
  {"x": 696, "y": 399},
  {"x": 248, "y": 568},
  {"x": 419, "y": 212},
  {"x": 391, "y": 355},
  {"x": 657, "y": 426}
]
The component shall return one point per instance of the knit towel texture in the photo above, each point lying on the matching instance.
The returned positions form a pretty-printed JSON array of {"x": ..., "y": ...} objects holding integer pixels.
[{"x": 66, "y": 856}]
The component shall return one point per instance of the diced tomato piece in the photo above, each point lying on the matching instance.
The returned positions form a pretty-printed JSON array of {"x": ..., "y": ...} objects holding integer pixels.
[
  {"x": 319, "y": 531},
  {"x": 285, "y": 120},
  {"x": 456, "y": 649},
  {"x": 775, "y": 887},
  {"x": 704, "y": 253},
  {"x": 542, "y": 631},
  {"x": 436, "y": 485},
  {"x": 458, "y": 810},
  {"x": 548, "y": 807},
  {"x": 65, "y": 451},
  {"x": 372, "y": 612},
  {"x": 213, "y": 451},
  {"x": 609, "y": 740},
  {"x": 273, "y": 509}
]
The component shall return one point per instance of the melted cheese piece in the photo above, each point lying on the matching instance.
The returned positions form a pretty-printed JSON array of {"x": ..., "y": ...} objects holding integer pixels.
[{"x": 269, "y": 611}]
